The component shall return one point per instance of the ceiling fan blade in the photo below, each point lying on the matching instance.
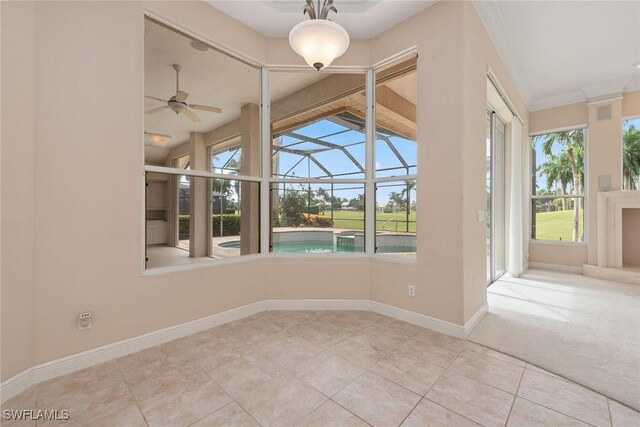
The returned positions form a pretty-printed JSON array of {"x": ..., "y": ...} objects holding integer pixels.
[
  {"x": 157, "y": 99},
  {"x": 155, "y": 110},
  {"x": 206, "y": 108},
  {"x": 190, "y": 114},
  {"x": 181, "y": 96}
]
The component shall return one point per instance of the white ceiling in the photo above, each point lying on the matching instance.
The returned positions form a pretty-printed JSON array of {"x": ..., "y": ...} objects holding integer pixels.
[
  {"x": 363, "y": 19},
  {"x": 560, "y": 52}
]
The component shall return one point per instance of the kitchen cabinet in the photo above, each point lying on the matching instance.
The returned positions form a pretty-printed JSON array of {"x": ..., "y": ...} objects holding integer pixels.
[{"x": 157, "y": 232}]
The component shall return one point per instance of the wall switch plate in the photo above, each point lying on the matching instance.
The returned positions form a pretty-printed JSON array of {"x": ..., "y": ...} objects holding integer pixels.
[
  {"x": 412, "y": 290},
  {"x": 481, "y": 216},
  {"x": 84, "y": 321}
]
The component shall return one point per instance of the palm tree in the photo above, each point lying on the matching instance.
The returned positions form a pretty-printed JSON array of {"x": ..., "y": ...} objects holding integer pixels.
[
  {"x": 572, "y": 143},
  {"x": 557, "y": 170},
  {"x": 631, "y": 157}
]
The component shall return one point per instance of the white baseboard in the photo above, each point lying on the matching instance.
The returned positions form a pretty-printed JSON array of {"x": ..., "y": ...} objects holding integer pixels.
[
  {"x": 65, "y": 365},
  {"x": 318, "y": 304},
  {"x": 475, "y": 319},
  {"x": 48, "y": 370},
  {"x": 428, "y": 322},
  {"x": 556, "y": 267}
]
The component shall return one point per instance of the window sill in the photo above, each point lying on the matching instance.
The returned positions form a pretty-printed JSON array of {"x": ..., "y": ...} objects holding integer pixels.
[{"x": 558, "y": 242}]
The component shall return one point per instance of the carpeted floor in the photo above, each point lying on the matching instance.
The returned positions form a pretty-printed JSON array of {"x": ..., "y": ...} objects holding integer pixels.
[{"x": 584, "y": 329}]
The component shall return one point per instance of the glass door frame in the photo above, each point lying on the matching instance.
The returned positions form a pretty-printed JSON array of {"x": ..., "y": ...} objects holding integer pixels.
[{"x": 496, "y": 267}]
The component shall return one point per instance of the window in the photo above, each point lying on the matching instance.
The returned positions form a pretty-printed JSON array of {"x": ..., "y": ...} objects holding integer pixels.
[
  {"x": 202, "y": 151},
  {"x": 631, "y": 154},
  {"x": 318, "y": 198},
  {"x": 557, "y": 205},
  {"x": 396, "y": 158},
  {"x": 340, "y": 170}
]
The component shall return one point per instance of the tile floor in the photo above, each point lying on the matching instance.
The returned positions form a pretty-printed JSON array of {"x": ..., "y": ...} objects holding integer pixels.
[{"x": 320, "y": 368}]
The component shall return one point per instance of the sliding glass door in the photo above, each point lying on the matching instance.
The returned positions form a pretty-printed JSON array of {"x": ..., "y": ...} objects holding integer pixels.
[{"x": 495, "y": 185}]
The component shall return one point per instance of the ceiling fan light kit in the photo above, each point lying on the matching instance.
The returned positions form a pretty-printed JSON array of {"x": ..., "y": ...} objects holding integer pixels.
[{"x": 319, "y": 41}]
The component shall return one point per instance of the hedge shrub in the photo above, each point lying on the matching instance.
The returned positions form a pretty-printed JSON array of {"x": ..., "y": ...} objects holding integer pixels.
[{"x": 231, "y": 225}]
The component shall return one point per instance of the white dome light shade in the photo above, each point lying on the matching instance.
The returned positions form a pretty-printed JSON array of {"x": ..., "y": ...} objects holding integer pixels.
[{"x": 319, "y": 42}]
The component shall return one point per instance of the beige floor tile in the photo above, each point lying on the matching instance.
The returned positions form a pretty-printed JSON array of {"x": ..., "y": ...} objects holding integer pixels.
[
  {"x": 284, "y": 406},
  {"x": 468, "y": 345},
  {"x": 488, "y": 370},
  {"x": 331, "y": 414},
  {"x": 127, "y": 417},
  {"x": 431, "y": 414},
  {"x": 541, "y": 371},
  {"x": 377, "y": 400},
  {"x": 289, "y": 353},
  {"x": 23, "y": 401},
  {"x": 231, "y": 415},
  {"x": 183, "y": 409},
  {"x": 88, "y": 394},
  {"x": 415, "y": 374},
  {"x": 167, "y": 378},
  {"x": 381, "y": 337},
  {"x": 623, "y": 416},
  {"x": 328, "y": 372},
  {"x": 529, "y": 414},
  {"x": 249, "y": 374},
  {"x": 365, "y": 354},
  {"x": 566, "y": 397},
  {"x": 433, "y": 353},
  {"x": 479, "y": 402},
  {"x": 209, "y": 356}
]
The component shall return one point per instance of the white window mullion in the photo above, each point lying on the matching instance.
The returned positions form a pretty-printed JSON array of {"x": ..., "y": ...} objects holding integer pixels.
[
  {"x": 370, "y": 202},
  {"x": 265, "y": 174}
]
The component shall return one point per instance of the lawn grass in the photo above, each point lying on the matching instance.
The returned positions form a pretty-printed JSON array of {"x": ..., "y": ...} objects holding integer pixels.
[
  {"x": 549, "y": 225},
  {"x": 557, "y": 225},
  {"x": 355, "y": 220}
]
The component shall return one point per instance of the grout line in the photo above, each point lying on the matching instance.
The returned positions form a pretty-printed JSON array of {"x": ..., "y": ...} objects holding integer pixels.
[
  {"x": 219, "y": 409},
  {"x": 556, "y": 411},
  {"x": 348, "y": 410},
  {"x": 515, "y": 396}
]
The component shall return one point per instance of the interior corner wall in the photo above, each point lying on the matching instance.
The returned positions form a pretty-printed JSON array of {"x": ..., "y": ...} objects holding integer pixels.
[
  {"x": 455, "y": 53},
  {"x": 603, "y": 158},
  {"x": 89, "y": 211},
  {"x": 18, "y": 184},
  {"x": 438, "y": 271}
]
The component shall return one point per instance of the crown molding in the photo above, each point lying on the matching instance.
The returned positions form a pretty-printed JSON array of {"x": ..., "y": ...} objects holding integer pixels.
[
  {"x": 493, "y": 21},
  {"x": 595, "y": 92}
]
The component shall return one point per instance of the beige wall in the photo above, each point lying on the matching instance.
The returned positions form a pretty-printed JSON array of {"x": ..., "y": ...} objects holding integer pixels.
[
  {"x": 450, "y": 274},
  {"x": 76, "y": 227},
  {"x": 604, "y": 157},
  {"x": 18, "y": 179}
]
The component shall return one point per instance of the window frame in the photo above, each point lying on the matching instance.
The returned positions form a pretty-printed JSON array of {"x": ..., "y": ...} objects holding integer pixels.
[
  {"x": 584, "y": 196},
  {"x": 265, "y": 177},
  {"x": 625, "y": 119}
]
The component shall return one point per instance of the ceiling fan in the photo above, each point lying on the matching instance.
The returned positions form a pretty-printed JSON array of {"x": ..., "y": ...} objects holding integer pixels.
[{"x": 177, "y": 103}]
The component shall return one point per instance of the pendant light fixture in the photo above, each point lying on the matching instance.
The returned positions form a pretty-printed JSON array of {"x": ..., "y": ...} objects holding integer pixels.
[{"x": 319, "y": 41}]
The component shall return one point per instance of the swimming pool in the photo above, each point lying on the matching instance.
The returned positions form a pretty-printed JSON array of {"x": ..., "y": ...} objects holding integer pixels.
[{"x": 387, "y": 245}]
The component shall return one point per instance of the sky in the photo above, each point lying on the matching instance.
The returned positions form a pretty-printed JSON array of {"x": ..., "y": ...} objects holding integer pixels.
[
  {"x": 541, "y": 158},
  {"x": 336, "y": 161}
]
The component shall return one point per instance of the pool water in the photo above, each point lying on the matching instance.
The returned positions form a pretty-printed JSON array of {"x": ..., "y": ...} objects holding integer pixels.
[{"x": 313, "y": 247}]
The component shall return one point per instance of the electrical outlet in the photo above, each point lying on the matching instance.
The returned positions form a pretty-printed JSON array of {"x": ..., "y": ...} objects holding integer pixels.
[
  {"x": 84, "y": 321},
  {"x": 481, "y": 216},
  {"x": 412, "y": 290}
]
